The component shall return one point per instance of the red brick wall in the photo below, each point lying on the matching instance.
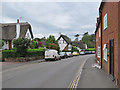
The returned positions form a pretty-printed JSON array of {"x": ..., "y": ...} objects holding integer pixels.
[
  {"x": 119, "y": 45},
  {"x": 111, "y": 8},
  {"x": 98, "y": 41}
]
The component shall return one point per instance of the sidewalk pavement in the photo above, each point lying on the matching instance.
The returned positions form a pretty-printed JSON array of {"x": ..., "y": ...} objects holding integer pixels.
[{"x": 92, "y": 77}]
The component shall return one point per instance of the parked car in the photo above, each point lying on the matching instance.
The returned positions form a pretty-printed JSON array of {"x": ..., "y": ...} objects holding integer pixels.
[
  {"x": 63, "y": 55},
  {"x": 51, "y": 54},
  {"x": 75, "y": 53},
  {"x": 82, "y": 53},
  {"x": 69, "y": 54},
  {"x": 93, "y": 52}
]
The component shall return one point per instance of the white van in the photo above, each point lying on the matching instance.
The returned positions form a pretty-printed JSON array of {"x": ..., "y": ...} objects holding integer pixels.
[{"x": 51, "y": 54}]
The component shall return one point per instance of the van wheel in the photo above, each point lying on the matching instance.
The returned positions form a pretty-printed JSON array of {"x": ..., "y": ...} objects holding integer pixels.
[
  {"x": 60, "y": 58},
  {"x": 46, "y": 59}
]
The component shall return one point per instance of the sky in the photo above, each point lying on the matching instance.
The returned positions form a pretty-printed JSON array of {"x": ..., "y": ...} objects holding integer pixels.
[{"x": 52, "y": 18}]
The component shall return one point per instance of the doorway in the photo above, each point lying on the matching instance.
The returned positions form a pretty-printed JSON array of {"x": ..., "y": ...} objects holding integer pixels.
[{"x": 111, "y": 57}]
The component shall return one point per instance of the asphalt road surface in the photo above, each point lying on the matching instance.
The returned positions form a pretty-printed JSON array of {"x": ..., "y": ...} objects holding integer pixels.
[{"x": 50, "y": 74}]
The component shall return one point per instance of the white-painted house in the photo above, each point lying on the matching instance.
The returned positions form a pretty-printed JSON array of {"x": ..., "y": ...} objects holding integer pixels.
[
  {"x": 64, "y": 43},
  {"x": 11, "y": 31}
]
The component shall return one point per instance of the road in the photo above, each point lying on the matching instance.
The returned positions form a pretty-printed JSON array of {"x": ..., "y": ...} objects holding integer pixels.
[{"x": 50, "y": 74}]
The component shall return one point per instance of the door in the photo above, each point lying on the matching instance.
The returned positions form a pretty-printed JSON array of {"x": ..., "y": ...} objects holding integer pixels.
[
  {"x": 10, "y": 44},
  {"x": 112, "y": 57}
]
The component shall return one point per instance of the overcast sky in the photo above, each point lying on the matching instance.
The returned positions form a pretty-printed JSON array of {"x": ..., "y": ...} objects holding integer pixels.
[{"x": 51, "y": 18}]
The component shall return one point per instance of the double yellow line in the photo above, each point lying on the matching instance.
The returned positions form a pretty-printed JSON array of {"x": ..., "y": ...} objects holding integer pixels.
[{"x": 74, "y": 83}]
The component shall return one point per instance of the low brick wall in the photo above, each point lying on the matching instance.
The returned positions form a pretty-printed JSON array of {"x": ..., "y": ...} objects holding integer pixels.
[{"x": 23, "y": 59}]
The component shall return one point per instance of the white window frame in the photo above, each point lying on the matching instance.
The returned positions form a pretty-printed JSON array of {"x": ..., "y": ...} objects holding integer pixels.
[
  {"x": 105, "y": 21},
  {"x": 99, "y": 52},
  {"x": 105, "y": 52}
]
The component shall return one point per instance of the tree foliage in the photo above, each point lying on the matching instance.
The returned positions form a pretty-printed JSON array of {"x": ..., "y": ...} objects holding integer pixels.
[
  {"x": 21, "y": 45},
  {"x": 89, "y": 40},
  {"x": 34, "y": 44},
  {"x": 51, "y": 43}
]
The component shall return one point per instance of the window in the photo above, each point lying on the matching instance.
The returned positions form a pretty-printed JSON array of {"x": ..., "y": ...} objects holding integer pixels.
[
  {"x": 105, "y": 21},
  {"x": 99, "y": 52},
  {"x": 99, "y": 32},
  {"x": 105, "y": 52}
]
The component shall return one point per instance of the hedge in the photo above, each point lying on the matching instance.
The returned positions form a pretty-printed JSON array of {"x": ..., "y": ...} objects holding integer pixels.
[
  {"x": 30, "y": 53},
  {"x": 90, "y": 49}
]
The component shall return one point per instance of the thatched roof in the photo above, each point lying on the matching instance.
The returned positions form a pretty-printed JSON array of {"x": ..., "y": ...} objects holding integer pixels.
[
  {"x": 67, "y": 39},
  {"x": 78, "y": 44},
  {"x": 9, "y": 30}
]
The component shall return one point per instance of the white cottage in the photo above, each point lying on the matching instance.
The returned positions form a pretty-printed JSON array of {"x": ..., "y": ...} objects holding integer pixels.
[
  {"x": 12, "y": 31},
  {"x": 64, "y": 43}
]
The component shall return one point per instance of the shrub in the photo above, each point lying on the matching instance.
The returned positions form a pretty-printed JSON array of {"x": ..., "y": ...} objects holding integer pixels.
[
  {"x": 1, "y": 43},
  {"x": 35, "y": 52},
  {"x": 29, "y": 53},
  {"x": 75, "y": 49},
  {"x": 90, "y": 49},
  {"x": 21, "y": 45},
  {"x": 8, "y": 53},
  {"x": 34, "y": 44}
]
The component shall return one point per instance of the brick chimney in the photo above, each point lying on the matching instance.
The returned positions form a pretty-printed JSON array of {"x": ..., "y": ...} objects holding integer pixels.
[{"x": 17, "y": 20}]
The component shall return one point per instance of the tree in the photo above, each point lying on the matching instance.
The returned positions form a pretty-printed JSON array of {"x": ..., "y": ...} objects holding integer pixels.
[
  {"x": 89, "y": 40},
  {"x": 51, "y": 43},
  {"x": 21, "y": 45}
]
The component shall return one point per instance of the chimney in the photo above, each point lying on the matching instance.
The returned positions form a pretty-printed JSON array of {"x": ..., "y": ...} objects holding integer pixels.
[
  {"x": 17, "y": 29},
  {"x": 17, "y": 20}
]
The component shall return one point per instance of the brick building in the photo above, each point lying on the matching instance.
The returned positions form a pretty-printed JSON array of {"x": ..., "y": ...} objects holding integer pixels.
[{"x": 108, "y": 39}]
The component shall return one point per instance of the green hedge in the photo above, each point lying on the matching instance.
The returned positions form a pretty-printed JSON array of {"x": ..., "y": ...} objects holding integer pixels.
[
  {"x": 8, "y": 53},
  {"x": 30, "y": 53},
  {"x": 35, "y": 52},
  {"x": 90, "y": 49}
]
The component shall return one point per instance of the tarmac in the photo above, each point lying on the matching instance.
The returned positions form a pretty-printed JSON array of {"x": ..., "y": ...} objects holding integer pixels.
[{"x": 93, "y": 77}]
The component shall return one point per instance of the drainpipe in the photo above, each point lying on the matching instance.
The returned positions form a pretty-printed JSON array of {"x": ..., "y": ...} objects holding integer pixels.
[{"x": 101, "y": 37}]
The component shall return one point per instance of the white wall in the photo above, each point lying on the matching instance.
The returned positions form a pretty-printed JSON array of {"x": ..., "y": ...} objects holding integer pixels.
[
  {"x": 62, "y": 43},
  {"x": 6, "y": 45},
  {"x": 28, "y": 35},
  {"x": 69, "y": 47}
]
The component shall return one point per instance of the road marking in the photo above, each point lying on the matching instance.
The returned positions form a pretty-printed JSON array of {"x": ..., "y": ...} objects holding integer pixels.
[{"x": 76, "y": 79}]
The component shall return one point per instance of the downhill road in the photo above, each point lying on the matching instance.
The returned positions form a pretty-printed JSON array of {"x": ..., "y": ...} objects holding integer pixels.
[{"x": 50, "y": 74}]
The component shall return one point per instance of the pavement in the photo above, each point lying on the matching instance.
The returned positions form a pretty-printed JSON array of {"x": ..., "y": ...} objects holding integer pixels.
[{"x": 92, "y": 77}]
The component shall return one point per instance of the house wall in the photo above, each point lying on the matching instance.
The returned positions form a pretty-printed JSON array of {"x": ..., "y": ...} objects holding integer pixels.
[
  {"x": 28, "y": 35},
  {"x": 111, "y": 8},
  {"x": 119, "y": 45},
  {"x": 62, "y": 44},
  {"x": 6, "y": 45},
  {"x": 98, "y": 43}
]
